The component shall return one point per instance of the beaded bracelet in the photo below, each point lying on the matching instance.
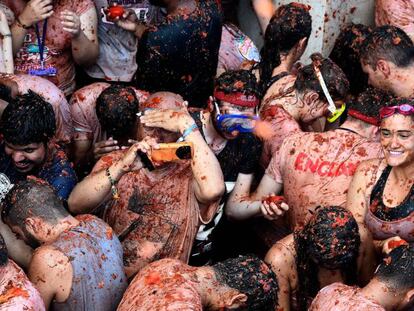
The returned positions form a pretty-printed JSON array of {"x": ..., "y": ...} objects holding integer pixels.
[{"x": 114, "y": 189}]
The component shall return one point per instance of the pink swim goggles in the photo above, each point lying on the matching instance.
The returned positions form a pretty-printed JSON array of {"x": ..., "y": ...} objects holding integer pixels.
[{"x": 404, "y": 109}]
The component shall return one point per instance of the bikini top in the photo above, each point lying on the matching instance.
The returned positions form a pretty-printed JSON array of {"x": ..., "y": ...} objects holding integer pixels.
[
  {"x": 385, "y": 222},
  {"x": 386, "y": 213}
]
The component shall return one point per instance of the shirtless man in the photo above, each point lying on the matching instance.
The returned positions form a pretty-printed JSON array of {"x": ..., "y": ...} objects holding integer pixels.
[
  {"x": 323, "y": 252},
  {"x": 391, "y": 288},
  {"x": 78, "y": 265},
  {"x": 245, "y": 282},
  {"x": 388, "y": 58},
  {"x": 316, "y": 168},
  {"x": 16, "y": 291},
  {"x": 155, "y": 213}
]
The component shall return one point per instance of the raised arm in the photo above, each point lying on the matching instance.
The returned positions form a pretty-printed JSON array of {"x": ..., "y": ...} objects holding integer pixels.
[
  {"x": 208, "y": 177},
  {"x": 34, "y": 11},
  {"x": 84, "y": 29},
  {"x": 264, "y": 10},
  {"x": 96, "y": 188}
]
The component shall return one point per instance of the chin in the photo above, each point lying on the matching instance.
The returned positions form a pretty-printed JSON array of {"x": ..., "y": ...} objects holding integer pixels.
[
  {"x": 24, "y": 170},
  {"x": 398, "y": 159}
]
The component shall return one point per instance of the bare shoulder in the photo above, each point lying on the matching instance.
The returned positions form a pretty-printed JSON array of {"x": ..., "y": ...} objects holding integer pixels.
[
  {"x": 282, "y": 254},
  {"x": 49, "y": 259}
]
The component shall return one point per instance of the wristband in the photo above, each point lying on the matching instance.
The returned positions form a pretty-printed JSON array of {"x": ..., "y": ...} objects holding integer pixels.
[
  {"x": 187, "y": 132},
  {"x": 114, "y": 189},
  {"x": 21, "y": 25},
  {"x": 7, "y": 35}
]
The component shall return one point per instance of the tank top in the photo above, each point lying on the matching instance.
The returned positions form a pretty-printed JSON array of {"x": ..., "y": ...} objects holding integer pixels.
[
  {"x": 95, "y": 253},
  {"x": 385, "y": 222}
]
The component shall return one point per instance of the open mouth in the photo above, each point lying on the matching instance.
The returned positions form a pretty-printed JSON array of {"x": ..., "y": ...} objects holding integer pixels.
[{"x": 394, "y": 153}]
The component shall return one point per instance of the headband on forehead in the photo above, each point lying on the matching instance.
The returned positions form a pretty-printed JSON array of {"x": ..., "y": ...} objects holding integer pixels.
[
  {"x": 238, "y": 99},
  {"x": 357, "y": 115}
]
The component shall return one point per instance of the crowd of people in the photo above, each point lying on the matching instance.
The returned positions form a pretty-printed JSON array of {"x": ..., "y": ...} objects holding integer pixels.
[{"x": 153, "y": 158}]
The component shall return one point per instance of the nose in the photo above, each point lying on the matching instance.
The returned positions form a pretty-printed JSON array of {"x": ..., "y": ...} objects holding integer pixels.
[
  {"x": 18, "y": 156},
  {"x": 394, "y": 142}
]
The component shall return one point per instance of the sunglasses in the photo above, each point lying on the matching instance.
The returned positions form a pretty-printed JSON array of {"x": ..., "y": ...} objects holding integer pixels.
[{"x": 404, "y": 109}]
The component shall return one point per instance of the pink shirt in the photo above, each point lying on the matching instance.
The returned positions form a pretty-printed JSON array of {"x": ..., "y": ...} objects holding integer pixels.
[
  {"x": 341, "y": 297},
  {"x": 58, "y": 50},
  {"x": 54, "y": 96},
  {"x": 82, "y": 107},
  {"x": 317, "y": 168},
  {"x": 17, "y": 293},
  {"x": 398, "y": 13}
]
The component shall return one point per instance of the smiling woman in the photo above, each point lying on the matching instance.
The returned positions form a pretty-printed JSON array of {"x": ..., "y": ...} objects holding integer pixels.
[{"x": 381, "y": 195}]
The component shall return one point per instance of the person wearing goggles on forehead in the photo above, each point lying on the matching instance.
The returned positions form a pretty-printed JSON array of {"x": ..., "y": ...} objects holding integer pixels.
[
  {"x": 382, "y": 190},
  {"x": 313, "y": 169},
  {"x": 227, "y": 127},
  {"x": 317, "y": 91}
]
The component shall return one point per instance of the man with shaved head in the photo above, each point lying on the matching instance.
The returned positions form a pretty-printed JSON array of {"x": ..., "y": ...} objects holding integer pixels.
[{"x": 155, "y": 213}]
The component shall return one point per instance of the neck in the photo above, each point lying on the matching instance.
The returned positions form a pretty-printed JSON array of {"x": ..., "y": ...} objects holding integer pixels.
[
  {"x": 64, "y": 224},
  {"x": 327, "y": 276},
  {"x": 383, "y": 295},
  {"x": 354, "y": 126},
  {"x": 403, "y": 172},
  {"x": 207, "y": 279},
  {"x": 403, "y": 82},
  {"x": 285, "y": 65},
  {"x": 292, "y": 105}
]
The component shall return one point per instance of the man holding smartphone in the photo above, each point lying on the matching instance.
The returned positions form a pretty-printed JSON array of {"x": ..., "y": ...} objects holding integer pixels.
[{"x": 156, "y": 214}]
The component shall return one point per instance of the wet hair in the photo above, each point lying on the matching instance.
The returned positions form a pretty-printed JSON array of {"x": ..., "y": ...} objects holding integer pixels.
[
  {"x": 331, "y": 240},
  {"x": 252, "y": 277},
  {"x": 290, "y": 23},
  {"x": 233, "y": 81},
  {"x": 334, "y": 77},
  {"x": 3, "y": 252},
  {"x": 116, "y": 109},
  {"x": 28, "y": 119},
  {"x": 5, "y": 93},
  {"x": 397, "y": 269},
  {"x": 369, "y": 102},
  {"x": 32, "y": 198},
  {"x": 346, "y": 54},
  {"x": 389, "y": 43}
]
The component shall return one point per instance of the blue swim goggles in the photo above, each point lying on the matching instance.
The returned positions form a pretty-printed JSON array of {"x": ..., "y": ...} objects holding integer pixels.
[{"x": 236, "y": 122}]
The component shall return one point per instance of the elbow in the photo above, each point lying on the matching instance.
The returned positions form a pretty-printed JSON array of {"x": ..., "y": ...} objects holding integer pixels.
[
  {"x": 212, "y": 193},
  {"x": 74, "y": 205},
  {"x": 90, "y": 57}
]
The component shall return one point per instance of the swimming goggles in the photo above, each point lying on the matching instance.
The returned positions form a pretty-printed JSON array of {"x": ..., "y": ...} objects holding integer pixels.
[{"x": 404, "y": 109}]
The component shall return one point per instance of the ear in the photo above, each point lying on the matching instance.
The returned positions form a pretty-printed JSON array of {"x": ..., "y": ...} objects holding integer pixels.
[
  {"x": 310, "y": 98},
  {"x": 236, "y": 301},
  {"x": 384, "y": 67},
  {"x": 408, "y": 300},
  {"x": 301, "y": 46},
  {"x": 31, "y": 223}
]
